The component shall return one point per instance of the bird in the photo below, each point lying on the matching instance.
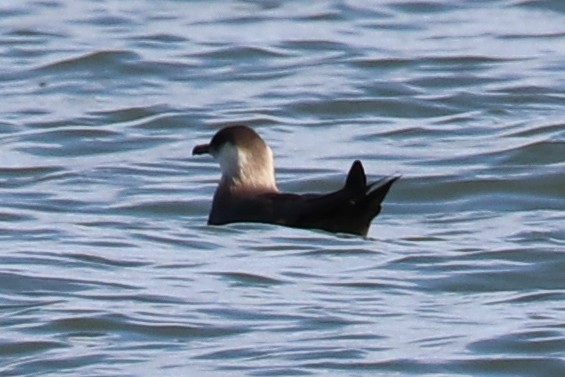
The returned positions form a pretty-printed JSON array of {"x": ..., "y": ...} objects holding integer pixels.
[{"x": 247, "y": 191}]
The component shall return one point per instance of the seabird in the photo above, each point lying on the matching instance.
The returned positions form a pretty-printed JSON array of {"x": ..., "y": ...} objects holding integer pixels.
[{"x": 248, "y": 192}]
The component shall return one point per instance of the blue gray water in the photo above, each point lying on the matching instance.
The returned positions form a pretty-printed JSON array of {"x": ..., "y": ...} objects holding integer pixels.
[{"x": 107, "y": 266}]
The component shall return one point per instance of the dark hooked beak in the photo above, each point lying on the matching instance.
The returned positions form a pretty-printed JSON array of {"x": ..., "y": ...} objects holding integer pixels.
[{"x": 201, "y": 149}]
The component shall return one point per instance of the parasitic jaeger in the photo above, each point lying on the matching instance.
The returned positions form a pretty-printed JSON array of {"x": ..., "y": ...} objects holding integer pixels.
[{"x": 248, "y": 192}]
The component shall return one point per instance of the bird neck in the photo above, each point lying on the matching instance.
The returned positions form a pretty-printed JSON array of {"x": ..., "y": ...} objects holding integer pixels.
[{"x": 249, "y": 172}]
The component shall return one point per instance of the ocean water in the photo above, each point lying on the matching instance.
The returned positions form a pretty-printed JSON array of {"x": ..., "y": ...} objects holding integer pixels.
[{"x": 107, "y": 266}]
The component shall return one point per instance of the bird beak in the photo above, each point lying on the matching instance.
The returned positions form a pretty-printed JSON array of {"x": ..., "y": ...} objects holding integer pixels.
[{"x": 201, "y": 149}]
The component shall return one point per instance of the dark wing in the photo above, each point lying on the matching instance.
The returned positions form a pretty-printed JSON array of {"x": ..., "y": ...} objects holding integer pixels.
[{"x": 349, "y": 210}]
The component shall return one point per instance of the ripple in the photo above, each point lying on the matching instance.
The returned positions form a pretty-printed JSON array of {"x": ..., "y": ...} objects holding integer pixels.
[
  {"x": 21, "y": 176},
  {"x": 534, "y": 191},
  {"x": 556, "y": 6},
  {"x": 249, "y": 52},
  {"x": 248, "y": 279},
  {"x": 98, "y": 60},
  {"x": 98, "y": 261},
  {"x": 28, "y": 347},
  {"x": 543, "y": 366},
  {"x": 100, "y": 325},
  {"x": 154, "y": 207},
  {"x": 555, "y": 131},
  {"x": 387, "y": 107},
  {"x": 42, "y": 284},
  {"x": 78, "y": 141},
  {"x": 530, "y": 298},
  {"x": 536, "y": 153},
  {"x": 526, "y": 342}
]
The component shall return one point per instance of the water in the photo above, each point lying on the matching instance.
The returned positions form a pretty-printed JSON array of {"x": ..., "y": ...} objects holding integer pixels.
[{"x": 107, "y": 267}]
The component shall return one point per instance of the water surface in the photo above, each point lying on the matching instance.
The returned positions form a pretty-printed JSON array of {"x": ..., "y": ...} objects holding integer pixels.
[{"x": 107, "y": 266}]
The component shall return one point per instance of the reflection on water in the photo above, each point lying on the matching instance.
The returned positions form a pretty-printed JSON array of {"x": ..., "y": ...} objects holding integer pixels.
[{"x": 107, "y": 266}]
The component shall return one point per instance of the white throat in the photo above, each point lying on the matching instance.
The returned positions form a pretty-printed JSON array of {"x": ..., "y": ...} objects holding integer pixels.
[{"x": 245, "y": 170}]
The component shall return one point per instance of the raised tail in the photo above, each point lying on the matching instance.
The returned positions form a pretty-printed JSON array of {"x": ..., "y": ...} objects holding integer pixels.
[
  {"x": 377, "y": 190},
  {"x": 357, "y": 182},
  {"x": 366, "y": 199},
  {"x": 356, "y": 178},
  {"x": 349, "y": 210}
]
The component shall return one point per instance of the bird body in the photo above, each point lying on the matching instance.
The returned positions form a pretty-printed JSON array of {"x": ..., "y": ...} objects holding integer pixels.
[{"x": 247, "y": 191}]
